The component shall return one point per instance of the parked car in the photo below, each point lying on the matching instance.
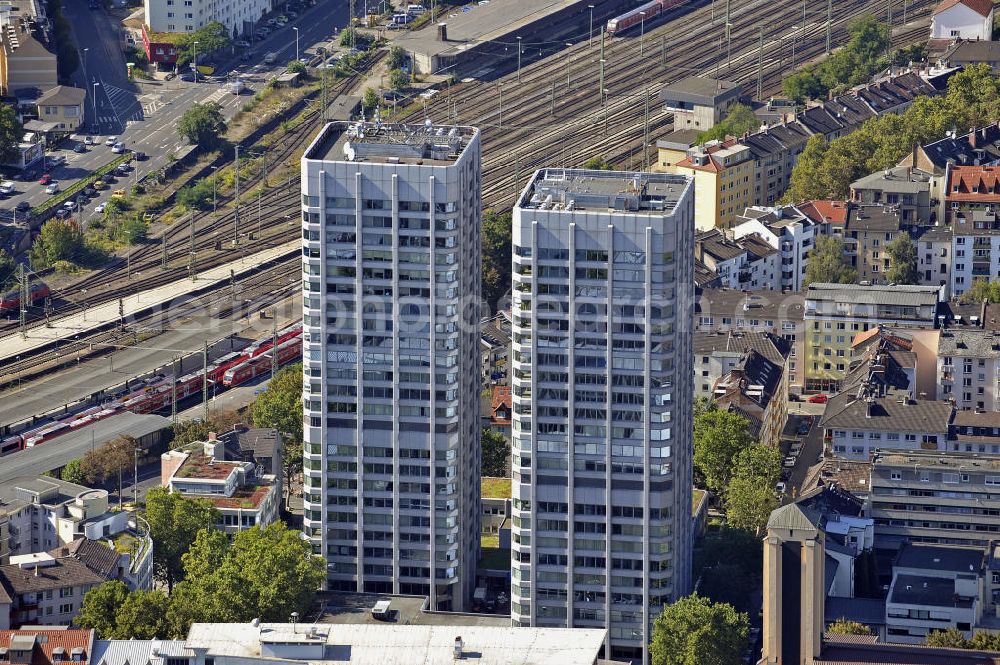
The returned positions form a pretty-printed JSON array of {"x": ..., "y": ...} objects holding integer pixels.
[
  {"x": 7, "y": 187},
  {"x": 79, "y": 148},
  {"x": 45, "y": 179},
  {"x": 241, "y": 43},
  {"x": 63, "y": 213},
  {"x": 100, "y": 185},
  {"x": 110, "y": 141},
  {"x": 139, "y": 156},
  {"x": 780, "y": 488},
  {"x": 53, "y": 188},
  {"x": 89, "y": 192},
  {"x": 818, "y": 399},
  {"x": 89, "y": 140},
  {"x": 804, "y": 427},
  {"x": 99, "y": 208},
  {"x": 795, "y": 449}
]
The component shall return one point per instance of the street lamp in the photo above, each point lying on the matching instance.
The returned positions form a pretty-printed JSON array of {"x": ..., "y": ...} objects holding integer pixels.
[
  {"x": 642, "y": 30},
  {"x": 195, "y": 66},
  {"x": 296, "y": 42},
  {"x": 590, "y": 35},
  {"x": 95, "y": 102},
  {"x": 519, "y": 59}
]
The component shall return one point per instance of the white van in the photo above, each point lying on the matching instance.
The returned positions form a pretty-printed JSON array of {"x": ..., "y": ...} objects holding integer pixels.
[
  {"x": 401, "y": 19},
  {"x": 7, "y": 187},
  {"x": 415, "y": 9}
]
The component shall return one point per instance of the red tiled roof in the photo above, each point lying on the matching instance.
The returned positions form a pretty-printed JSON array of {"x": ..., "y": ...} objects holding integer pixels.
[
  {"x": 52, "y": 637},
  {"x": 974, "y": 183},
  {"x": 833, "y": 212},
  {"x": 981, "y": 7},
  {"x": 501, "y": 401}
]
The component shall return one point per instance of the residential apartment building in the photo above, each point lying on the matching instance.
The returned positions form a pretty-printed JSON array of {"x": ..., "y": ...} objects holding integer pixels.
[
  {"x": 27, "y": 54},
  {"x": 963, "y": 19},
  {"x": 981, "y": 146},
  {"x": 934, "y": 588},
  {"x": 971, "y": 189},
  {"x": 717, "y": 353},
  {"x": 723, "y": 181},
  {"x": 934, "y": 497},
  {"x": 788, "y": 230},
  {"x": 722, "y": 310},
  {"x": 239, "y": 16},
  {"x": 673, "y": 148},
  {"x": 869, "y": 228},
  {"x": 756, "y": 388},
  {"x": 48, "y": 645},
  {"x": 747, "y": 263},
  {"x": 243, "y": 494},
  {"x": 855, "y": 425},
  {"x": 698, "y": 102},
  {"x": 969, "y": 368},
  {"x": 602, "y": 385},
  {"x": 934, "y": 254},
  {"x": 903, "y": 188},
  {"x": 975, "y": 432},
  {"x": 62, "y": 106},
  {"x": 965, "y": 52},
  {"x": 835, "y": 313},
  {"x": 391, "y": 217},
  {"x": 46, "y": 590}
]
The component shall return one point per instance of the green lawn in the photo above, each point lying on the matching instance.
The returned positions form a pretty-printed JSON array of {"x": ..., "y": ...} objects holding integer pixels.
[
  {"x": 496, "y": 488},
  {"x": 696, "y": 495}
]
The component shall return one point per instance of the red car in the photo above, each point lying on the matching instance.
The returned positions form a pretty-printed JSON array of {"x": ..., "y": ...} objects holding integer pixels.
[
  {"x": 45, "y": 179},
  {"x": 818, "y": 399}
]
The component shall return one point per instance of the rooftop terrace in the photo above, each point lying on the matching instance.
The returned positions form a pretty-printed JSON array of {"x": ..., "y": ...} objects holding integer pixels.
[{"x": 604, "y": 191}]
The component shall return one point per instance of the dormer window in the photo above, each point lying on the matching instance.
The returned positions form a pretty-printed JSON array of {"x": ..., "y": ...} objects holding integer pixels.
[{"x": 58, "y": 655}]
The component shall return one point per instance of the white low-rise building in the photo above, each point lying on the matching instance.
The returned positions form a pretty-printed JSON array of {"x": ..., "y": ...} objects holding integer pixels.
[
  {"x": 963, "y": 19},
  {"x": 787, "y": 230},
  {"x": 239, "y": 16}
]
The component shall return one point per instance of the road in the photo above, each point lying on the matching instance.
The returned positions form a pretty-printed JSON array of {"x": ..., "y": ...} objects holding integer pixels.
[{"x": 812, "y": 445}]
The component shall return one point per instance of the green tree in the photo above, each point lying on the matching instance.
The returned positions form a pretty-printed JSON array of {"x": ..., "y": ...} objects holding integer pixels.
[
  {"x": 211, "y": 38},
  {"x": 598, "y": 163},
  {"x": 398, "y": 79},
  {"x": 844, "y": 627},
  {"x": 952, "y": 638},
  {"x": 8, "y": 271},
  {"x": 296, "y": 67},
  {"x": 985, "y": 641},
  {"x": 738, "y": 121},
  {"x": 73, "y": 472},
  {"x": 198, "y": 196},
  {"x": 804, "y": 183},
  {"x": 802, "y": 85},
  {"x": 829, "y": 264},
  {"x": 280, "y": 406},
  {"x": 142, "y": 616},
  {"x": 719, "y": 436},
  {"x": 495, "y": 453},
  {"x": 99, "y": 607},
  {"x": 11, "y": 132},
  {"x": 174, "y": 522},
  {"x": 396, "y": 58},
  {"x": 265, "y": 573},
  {"x": 202, "y": 125},
  {"x": 725, "y": 554},
  {"x": 750, "y": 497},
  {"x": 695, "y": 631},
  {"x": 370, "y": 100},
  {"x": 495, "y": 247},
  {"x": 902, "y": 252},
  {"x": 110, "y": 460},
  {"x": 198, "y": 430},
  {"x": 981, "y": 290},
  {"x": 59, "y": 240}
]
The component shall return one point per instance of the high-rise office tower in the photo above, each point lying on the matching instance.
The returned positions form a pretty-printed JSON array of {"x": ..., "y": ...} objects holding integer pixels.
[
  {"x": 391, "y": 269},
  {"x": 602, "y": 389}
]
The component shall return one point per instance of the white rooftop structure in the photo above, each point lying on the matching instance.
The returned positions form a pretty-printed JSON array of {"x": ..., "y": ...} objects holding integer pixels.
[{"x": 391, "y": 644}]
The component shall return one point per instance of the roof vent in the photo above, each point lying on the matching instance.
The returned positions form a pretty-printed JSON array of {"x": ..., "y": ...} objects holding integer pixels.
[{"x": 459, "y": 645}]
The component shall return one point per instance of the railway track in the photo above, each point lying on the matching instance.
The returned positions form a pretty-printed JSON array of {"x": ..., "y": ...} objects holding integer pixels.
[
  {"x": 270, "y": 285},
  {"x": 204, "y": 240},
  {"x": 554, "y": 115}
]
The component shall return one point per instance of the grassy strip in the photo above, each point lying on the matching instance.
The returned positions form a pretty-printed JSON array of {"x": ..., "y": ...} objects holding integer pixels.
[{"x": 67, "y": 194}]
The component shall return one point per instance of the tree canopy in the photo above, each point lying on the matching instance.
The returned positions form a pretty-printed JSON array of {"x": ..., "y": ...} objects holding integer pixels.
[
  {"x": 280, "y": 406},
  {"x": 829, "y": 264},
  {"x": 719, "y": 436},
  {"x": 264, "y": 573},
  {"x": 495, "y": 242},
  {"x": 696, "y": 631},
  {"x": 738, "y": 121},
  {"x": 203, "y": 125},
  {"x": 58, "y": 240},
  {"x": 296, "y": 67},
  {"x": 864, "y": 53},
  {"x": 981, "y": 290},
  {"x": 495, "y": 453},
  {"x": 398, "y": 79},
  {"x": 211, "y": 38},
  {"x": 174, "y": 523},
  {"x": 598, "y": 163},
  {"x": 750, "y": 497},
  {"x": 110, "y": 460},
  {"x": 844, "y": 627},
  {"x": 11, "y": 132},
  {"x": 902, "y": 253}
]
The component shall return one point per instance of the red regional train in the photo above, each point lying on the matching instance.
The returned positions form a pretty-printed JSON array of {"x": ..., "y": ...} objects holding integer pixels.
[
  {"x": 635, "y": 16},
  {"x": 11, "y": 302},
  {"x": 158, "y": 392}
]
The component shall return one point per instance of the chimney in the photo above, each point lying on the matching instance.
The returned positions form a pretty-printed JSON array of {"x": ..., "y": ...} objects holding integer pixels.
[
  {"x": 459, "y": 645},
  {"x": 972, "y": 137},
  {"x": 442, "y": 33}
]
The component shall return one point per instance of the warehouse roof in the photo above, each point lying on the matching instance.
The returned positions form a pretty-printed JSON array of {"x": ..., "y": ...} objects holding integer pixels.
[{"x": 875, "y": 294}]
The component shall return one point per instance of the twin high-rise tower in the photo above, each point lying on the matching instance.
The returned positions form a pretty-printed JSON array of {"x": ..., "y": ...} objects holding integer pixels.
[{"x": 601, "y": 373}]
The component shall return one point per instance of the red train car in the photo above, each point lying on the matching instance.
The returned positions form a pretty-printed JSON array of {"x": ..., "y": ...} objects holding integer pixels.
[
  {"x": 264, "y": 343},
  {"x": 245, "y": 371},
  {"x": 635, "y": 16},
  {"x": 11, "y": 302}
]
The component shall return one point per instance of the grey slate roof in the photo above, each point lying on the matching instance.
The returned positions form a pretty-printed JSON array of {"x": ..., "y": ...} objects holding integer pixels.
[
  {"x": 869, "y": 611},
  {"x": 771, "y": 346},
  {"x": 969, "y": 343},
  {"x": 940, "y": 557},
  {"x": 876, "y": 294},
  {"x": 762, "y": 305},
  {"x": 886, "y": 414},
  {"x": 63, "y": 95},
  {"x": 64, "y": 572},
  {"x": 793, "y": 516},
  {"x": 97, "y": 556},
  {"x": 923, "y": 590}
]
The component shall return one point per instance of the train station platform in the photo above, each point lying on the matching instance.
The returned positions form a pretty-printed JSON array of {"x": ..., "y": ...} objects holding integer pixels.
[{"x": 98, "y": 317}]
